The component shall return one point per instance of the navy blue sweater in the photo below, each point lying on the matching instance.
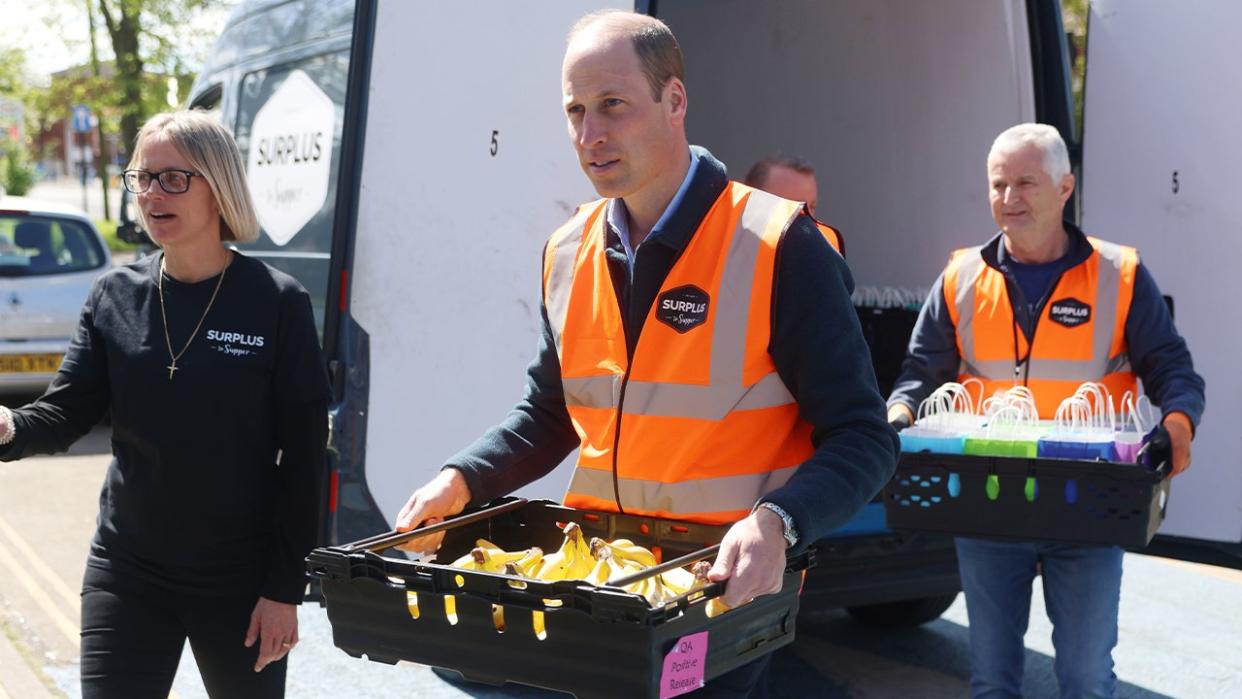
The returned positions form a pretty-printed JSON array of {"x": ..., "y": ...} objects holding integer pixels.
[
  {"x": 1158, "y": 354},
  {"x": 817, "y": 347}
]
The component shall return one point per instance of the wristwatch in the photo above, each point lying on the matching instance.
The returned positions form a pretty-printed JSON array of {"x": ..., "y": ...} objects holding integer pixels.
[{"x": 791, "y": 532}]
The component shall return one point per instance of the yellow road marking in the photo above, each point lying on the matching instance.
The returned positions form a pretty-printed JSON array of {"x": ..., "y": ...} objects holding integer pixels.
[
  {"x": 40, "y": 597},
  {"x": 1229, "y": 574},
  {"x": 58, "y": 586}
]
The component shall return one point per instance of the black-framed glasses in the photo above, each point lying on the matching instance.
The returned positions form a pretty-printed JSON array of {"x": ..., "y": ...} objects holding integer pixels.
[{"x": 172, "y": 181}]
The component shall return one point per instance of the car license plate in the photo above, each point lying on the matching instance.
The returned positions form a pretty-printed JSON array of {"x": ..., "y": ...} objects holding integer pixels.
[{"x": 29, "y": 363}]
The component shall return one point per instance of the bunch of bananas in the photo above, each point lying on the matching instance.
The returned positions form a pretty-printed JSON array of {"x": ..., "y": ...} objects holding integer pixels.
[{"x": 597, "y": 562}]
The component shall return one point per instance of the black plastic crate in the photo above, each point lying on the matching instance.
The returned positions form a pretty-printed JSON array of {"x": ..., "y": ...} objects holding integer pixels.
[
  {"x": 599, "y": 641},
  {"x": 1031, "y": 499}
]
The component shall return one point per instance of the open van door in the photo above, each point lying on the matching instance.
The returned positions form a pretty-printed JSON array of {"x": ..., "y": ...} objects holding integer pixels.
[
  {"x": 467, "y": 169},
  {"x": 1160, "y": 172}
]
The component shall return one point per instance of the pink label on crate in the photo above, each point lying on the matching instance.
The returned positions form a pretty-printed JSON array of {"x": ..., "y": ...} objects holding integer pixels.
[{"x": 684, "y": 666}]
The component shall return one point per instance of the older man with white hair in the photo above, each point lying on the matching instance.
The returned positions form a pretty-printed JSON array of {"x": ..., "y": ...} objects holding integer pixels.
[{"x": 1100, "y": 317}]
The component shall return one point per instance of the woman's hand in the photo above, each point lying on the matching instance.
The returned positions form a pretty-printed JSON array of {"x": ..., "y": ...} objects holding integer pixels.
[{"x": 274, "y": 625}]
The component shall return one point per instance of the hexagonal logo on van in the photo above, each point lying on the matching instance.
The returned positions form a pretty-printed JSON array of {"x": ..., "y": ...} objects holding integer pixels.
[{"x": 291, "y": 156}]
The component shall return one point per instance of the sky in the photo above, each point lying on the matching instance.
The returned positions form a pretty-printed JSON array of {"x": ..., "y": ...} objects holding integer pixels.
[
  {"x": 54, "y": 34},
  {"x": 48, "y": 48}
]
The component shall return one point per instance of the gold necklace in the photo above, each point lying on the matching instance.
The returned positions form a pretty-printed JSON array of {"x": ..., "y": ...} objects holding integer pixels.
[{"x": 164, "y": 315}]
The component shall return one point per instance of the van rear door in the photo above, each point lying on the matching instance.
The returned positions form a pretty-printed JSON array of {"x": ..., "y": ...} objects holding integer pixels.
[
  {"x": 467, "y": 170},
  {"x": 1160, "y": 155}
]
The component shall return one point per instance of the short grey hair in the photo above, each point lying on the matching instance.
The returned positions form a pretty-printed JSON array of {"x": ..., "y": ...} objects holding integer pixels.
[
  {"x": 212, "y": 152},
  {"x": 1044, "y": 137}
]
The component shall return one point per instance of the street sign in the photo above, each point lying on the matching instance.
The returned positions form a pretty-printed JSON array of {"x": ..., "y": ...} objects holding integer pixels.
[{"x": 81, "y": 119}]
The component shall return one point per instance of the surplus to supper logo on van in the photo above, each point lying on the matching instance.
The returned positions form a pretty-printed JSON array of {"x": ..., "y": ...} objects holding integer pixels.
[
  {"x": 1069, "y": 312},
  {"x": 235, "y": 344},
  {"x": 683, "y": 309},
  {"x": 290, "y": 156}
]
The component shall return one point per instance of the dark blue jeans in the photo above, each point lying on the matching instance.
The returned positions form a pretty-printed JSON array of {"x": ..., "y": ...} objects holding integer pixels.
[{"x": 1082, "y": 589}]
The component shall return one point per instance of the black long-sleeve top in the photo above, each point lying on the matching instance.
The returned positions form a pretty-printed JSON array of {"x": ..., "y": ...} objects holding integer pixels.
[
  {"x": 214, "y": 483},
  {"x": 817, "y": 346}
]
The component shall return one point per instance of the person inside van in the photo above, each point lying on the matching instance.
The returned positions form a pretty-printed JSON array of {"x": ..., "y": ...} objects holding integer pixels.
[
  {"x": 784, "y": 438},
  {"x": 793, "y": 179},
  {"x": 1042, "y": 273},
  {"x": 208, "y": 362}
]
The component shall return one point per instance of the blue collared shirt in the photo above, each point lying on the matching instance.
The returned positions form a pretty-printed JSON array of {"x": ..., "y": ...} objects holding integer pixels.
[{"x": 618, "y": 220}]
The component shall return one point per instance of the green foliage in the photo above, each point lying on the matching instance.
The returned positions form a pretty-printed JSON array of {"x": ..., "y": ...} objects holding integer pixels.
[
  {"x": 12, "y": 71},
  {"x": 18, "y": 175},
  {"x": 115, "y": 244},
  {"x": 1074, "y": 15}
]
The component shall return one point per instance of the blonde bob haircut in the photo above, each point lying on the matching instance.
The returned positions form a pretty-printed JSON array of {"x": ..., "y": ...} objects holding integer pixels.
[{"x": 212, "y": 153}]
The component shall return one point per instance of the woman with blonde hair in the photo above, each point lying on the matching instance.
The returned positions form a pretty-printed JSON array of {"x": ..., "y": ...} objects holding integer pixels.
[{"x": 209, "y": 364}]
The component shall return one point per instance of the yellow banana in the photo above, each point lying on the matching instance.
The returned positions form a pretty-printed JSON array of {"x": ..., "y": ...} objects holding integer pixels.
[
  {"x": 678, "y": 580},
  {"x": 602, "y": 571},
  {"x": 560, "y": 565},
  {"x": 653, "y": 590},
  {"x": 498, "y": 554},
  {"x": 627, "y": 550},
  {"x": 715, "y": 605},
  {"x": 466, "y": 562},
  {"x": 529, "y": 564}
]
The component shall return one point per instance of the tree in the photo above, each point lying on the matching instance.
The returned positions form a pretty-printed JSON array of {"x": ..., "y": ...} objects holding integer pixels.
[
  {"x": 1074, "y": 15},
  {"x": 143, "y": 46},
  {"x": 16, "y": 174},
  {"x": 142, "y": 34},
  {"x": 12, "y": 71}
]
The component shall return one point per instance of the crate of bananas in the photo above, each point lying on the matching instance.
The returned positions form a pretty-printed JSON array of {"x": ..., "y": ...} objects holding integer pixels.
[{"x": 591, "y": 603}]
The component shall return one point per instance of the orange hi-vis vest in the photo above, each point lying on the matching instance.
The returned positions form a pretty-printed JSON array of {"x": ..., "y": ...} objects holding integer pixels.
[
  {"x": 1079, "y": 336},
  {"x": 697, "y": 425}
]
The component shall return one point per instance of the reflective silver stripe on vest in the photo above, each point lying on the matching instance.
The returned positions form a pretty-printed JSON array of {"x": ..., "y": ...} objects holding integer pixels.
[
  {"x": 725, "y": 392},
  {"x": 969, "y": 266},
  {"x": 565, "y": 247},
  {"x": 675, "y": 400},
  {"x": 724, "y": 494},
  {"x": 1104, "y": 306}
]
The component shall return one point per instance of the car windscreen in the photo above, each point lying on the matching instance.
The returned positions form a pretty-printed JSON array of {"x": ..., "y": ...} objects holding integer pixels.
[{"x": 33, "y": 245}]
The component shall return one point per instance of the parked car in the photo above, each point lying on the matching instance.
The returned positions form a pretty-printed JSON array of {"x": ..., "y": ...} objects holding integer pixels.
[{"x": 49, "y": 257}]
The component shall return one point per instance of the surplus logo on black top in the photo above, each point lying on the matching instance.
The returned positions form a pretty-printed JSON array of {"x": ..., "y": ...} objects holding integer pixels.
[
  {"x": 235, "y": 344},
  {"x": 683, "y": 309},
  {"x": 1069, "y": 312}
]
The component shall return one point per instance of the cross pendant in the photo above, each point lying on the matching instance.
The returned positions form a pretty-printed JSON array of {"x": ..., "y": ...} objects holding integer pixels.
[{"x": 171, "y": 368}]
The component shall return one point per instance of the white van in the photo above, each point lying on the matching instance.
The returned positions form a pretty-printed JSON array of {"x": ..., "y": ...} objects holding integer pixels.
[{"x": 410, "y": 159}]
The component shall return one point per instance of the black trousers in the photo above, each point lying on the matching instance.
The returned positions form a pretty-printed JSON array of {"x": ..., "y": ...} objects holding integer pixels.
[{"x": 133, "y": 634}]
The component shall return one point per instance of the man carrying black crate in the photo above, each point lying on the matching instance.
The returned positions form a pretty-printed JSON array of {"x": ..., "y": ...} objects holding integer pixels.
[
  {"x": 1099, "y": 317},
  {"x": 699, "y": 345}
]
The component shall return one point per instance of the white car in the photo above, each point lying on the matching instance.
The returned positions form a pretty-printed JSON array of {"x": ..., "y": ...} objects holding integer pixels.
[{"x": 49, "y": 256}]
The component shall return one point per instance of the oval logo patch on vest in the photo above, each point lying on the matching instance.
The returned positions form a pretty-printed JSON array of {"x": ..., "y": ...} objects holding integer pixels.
[
  {"x": 1069, "y": 312},
  {"x": 683, "y": 309}
]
